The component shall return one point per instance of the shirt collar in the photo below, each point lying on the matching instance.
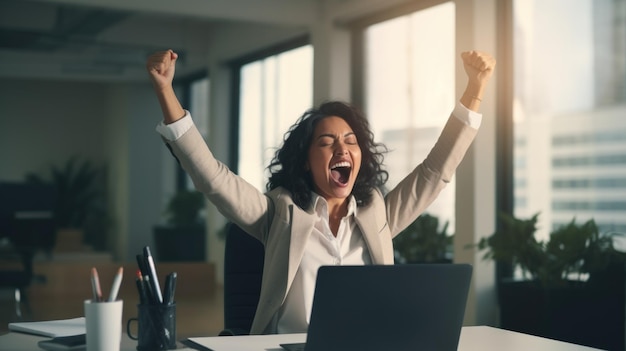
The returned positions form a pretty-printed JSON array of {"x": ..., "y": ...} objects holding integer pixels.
[{"x": 320, "y": 206}]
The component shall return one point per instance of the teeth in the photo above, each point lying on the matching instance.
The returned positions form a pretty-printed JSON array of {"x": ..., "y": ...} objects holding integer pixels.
[{"x": 340, "y": 164}]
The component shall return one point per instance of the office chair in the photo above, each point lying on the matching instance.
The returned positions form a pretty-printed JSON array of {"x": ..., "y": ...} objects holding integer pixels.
[
  {"x": 27, "y": 226},
  {"x": 243, "y": 270},
  {"x": 30, "y": 233}
]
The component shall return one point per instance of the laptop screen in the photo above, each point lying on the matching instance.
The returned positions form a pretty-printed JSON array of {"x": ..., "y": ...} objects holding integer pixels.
[{"x": 388, "y": 307}]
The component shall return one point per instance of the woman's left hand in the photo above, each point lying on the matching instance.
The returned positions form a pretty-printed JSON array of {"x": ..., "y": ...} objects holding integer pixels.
[{"x": 479, "y": 66}]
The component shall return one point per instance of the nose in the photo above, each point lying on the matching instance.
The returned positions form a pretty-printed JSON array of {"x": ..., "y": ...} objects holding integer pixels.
[{"x": 341, "y": 150}]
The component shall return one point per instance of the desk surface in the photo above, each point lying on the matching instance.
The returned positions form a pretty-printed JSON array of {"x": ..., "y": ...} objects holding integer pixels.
[{"x": 477, "y": 338}]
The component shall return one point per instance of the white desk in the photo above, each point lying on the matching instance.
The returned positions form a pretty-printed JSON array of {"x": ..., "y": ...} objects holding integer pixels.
[
  {"x": 483, "y": 338},
  {"x": 479, "y": 338}
]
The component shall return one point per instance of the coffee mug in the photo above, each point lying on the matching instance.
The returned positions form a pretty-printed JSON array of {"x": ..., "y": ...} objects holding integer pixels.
[
  {"x": 156, "y": 329},
  {"x": 103, "y": 324}
]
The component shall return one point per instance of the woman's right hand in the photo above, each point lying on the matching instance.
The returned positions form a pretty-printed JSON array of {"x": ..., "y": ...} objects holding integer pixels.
[{"x": 161, "y": 66}]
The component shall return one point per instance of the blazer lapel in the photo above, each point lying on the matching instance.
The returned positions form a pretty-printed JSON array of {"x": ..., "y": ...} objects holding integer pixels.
[
  {"x": 376, "y": 234},
  {"x": 301, "y": 228}
]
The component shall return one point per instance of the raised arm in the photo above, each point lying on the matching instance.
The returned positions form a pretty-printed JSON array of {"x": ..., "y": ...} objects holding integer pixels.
[
  {"x": 479, "y": 67},
  {"x": 161, "y": 67}
]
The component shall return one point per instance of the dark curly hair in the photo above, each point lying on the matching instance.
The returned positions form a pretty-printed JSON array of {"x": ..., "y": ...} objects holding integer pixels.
[{"x": 287, "y": 168}]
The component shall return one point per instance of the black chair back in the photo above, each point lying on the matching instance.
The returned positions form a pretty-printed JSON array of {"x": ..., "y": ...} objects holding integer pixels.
[
  {"x": 27, "y": 225},
  {"x": 243, "y": 271}
]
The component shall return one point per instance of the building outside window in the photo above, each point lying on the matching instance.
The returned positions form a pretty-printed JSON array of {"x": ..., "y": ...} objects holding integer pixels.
[{"x": 569, "y": 108}]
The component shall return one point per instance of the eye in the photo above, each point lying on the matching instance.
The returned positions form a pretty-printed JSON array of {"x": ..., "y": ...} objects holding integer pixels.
[
  {"x": 351, "y": 139},
  {"x": 325, "y": 141}
]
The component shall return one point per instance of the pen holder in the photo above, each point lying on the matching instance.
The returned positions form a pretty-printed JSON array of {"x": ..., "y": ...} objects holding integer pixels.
[
  {"x": 156, "y": 329},
  {"x": 103, "y": 325}
]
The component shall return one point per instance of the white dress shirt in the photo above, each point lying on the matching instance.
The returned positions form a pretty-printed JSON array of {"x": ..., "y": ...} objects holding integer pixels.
[{"x": 322, "y": 249}]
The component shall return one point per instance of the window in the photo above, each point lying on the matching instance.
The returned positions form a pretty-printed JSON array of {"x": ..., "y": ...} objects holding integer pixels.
[
  {"x": 196, "y": 97},
  {"x": 274, "y": 92},
  {"x": 569, "y": 107},
  {"x": 410, "y": 91},
  {"x": 199, "y": 104}
]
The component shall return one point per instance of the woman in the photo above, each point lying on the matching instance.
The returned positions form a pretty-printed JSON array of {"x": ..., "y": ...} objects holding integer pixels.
[{"x": 323, "y": 205}]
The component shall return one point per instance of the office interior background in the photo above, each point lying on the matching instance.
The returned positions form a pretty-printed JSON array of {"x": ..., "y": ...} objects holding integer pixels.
[{"x": 73, "y": 83}]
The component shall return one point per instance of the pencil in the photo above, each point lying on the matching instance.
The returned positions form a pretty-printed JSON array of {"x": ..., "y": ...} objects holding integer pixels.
[
  {"x": 95, "y": 285},
  {"x": 116, "y": 284}
]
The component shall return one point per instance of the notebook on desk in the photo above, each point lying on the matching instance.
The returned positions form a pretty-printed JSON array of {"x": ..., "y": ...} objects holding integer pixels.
[
  {"x": 392, "y": 307},
  {"x": 51, "y": 328}
]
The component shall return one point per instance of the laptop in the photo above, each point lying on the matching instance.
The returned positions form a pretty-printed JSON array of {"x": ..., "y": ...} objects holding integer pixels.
[{"x": 387, "y": 307}]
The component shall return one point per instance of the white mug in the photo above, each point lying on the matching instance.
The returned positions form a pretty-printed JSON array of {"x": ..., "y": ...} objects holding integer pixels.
[{"x": 103, "y": 325}]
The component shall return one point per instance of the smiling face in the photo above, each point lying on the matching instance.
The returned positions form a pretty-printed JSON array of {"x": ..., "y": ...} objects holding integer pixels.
[{"x": 334, "y": 158}]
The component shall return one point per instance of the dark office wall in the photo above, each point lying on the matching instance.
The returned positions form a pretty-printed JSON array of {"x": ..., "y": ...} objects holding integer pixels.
[{"x": 42, "y": 123}]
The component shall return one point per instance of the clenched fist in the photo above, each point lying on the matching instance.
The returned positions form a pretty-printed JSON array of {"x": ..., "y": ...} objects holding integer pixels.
[
  {"x": 161, "y": 67},
  {"x": 479, "y": 66}
]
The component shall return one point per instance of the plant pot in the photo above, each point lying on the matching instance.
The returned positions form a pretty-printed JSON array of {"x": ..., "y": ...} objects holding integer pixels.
[
  {"x": 180, "y": 243},
  {"x": 579, "y": 312},
  {"x": 69, "y": 240}
]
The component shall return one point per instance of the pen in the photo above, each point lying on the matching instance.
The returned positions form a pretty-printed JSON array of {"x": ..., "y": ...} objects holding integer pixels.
[
  {"x": 143, "y": 297},
  {"x": 170, "y": 288},
  {"x": 95, "y": 285},
  {"x": 116, "y": 284},
  {"x": 148, "y": 289},
  {"x": 154, "y": 282},
  {"x": 144, "y": 278},
  {"x": 141, "y": 263}
]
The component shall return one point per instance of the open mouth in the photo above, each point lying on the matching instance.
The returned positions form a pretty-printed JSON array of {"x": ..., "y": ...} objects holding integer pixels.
[{"x": 340, "y": 172}]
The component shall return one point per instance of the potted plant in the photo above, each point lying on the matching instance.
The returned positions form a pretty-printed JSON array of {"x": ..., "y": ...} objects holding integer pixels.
[
  {"x": 571, "y": 286},
  {"x": 80, "y": 202},
  {"x": 423, "y": 242},
  {"x": 183, "y": 236}
]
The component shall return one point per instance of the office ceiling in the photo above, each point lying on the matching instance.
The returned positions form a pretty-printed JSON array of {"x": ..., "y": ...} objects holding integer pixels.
[{"x": 110, "y": 39}]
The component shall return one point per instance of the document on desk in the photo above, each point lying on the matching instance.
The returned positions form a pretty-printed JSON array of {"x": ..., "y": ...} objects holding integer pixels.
[
  {"x": 245, "y": 342},
  {"x": 52, "y": 328}
]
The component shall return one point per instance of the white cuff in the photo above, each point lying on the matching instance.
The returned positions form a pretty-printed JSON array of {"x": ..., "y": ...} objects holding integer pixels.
[
  {"x": 467, "y": 116},
  {"x": 175, "y": 130}
]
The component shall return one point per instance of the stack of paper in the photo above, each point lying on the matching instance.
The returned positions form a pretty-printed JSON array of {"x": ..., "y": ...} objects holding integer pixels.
[
  {"x": 244, "y": 342},
  {"x": 53, "y": 328}
]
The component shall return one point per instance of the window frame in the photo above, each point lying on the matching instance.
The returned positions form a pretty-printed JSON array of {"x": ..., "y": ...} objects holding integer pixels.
[{"x": 504, "y": 187}]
